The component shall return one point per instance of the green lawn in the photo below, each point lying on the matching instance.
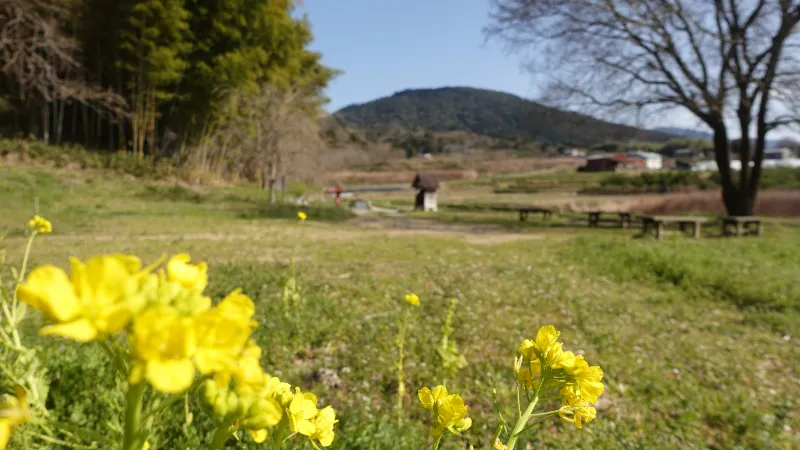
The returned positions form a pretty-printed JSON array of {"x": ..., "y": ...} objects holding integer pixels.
[{"x": 697, "y": 338}]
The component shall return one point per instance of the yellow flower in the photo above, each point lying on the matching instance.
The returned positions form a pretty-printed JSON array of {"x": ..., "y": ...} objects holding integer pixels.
[
  {"x": 40, "y": 224},
  {"x": 499, "y": 445},
  {"x": 576, "y": 411},
  {"x": 279, "y": 390},
  {"x": 557, "y": 358},
  {"x": 429, "y": 398},
  {"x": 13, "y": 412},
  {"x": 546, "y": 346},
  {"x": 323, "y": 426},
  {"x": 192, "y": 277},
  {"x": 99, "y": 299},
  {"x": 223, "y": 333},
  {"x": 412, "y": 299},
  {"x": 163, "y": 343},
  {"x": 302, "y": 216},
  {"x": 453, "y": 414},
  {"x": 146, "y": 446},
  {"x": 525, "y": 378},
  {"x": 302, "y": 409},
  {"x": 449, "y": 411},
  {"x": 258, "y": 436},
  {"x": 262, "y": 414},
  {"x": 587, "y": 380}
]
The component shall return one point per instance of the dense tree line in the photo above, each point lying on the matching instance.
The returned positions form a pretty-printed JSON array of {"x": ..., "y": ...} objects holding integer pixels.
[{"x": 145, "y": 76}]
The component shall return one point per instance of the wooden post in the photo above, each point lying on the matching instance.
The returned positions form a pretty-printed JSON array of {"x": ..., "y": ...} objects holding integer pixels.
[
  {"x": 659, "y": 230},
  {"x": 593, "y": 219},
  {"x": 738, "y": 228},
  {"x": 696, "y": 230},
  {"x": 758, "y": 228}
]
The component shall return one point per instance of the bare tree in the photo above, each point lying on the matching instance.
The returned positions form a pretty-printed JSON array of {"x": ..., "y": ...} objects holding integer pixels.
[
  {"x": 286, "y": 127},
  {"x": 38, "y": 58},
  {"x": 268, "y": 134},
  {"x": 725, "y": 61}
]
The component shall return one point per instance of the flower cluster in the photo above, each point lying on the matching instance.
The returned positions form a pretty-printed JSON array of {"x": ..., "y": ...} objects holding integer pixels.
[
  {"x": 246, "y": 397},
  {"x": 448, "y": 410},
  {"x": 40, "y": 224},
  {"x": 13, "y": 412},
  {"x": 174, "y": 333},
  {"x": 412, "y": 299},
  {"x": 544, "y": 366}
]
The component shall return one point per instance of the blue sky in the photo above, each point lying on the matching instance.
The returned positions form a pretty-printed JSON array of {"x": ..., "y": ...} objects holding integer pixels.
[{"x": 385, "y": 46}]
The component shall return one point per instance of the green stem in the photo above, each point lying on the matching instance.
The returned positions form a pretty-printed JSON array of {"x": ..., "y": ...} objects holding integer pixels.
[
  {"x": 133, "y": 416},
  {"x": 221, "y": 435},
  {"x": 14, "y": 301},
  {"x": 520, "y": 425},
  {"x": 437, "y": 440},
  {"x": 401, "y": 341}
]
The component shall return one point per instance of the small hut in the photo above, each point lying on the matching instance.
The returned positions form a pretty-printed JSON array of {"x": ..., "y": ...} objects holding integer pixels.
[{"x": 427, "y": 185}]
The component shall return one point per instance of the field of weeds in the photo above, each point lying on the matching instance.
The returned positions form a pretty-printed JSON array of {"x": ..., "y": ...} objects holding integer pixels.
[{"x": 698, "y": 339}]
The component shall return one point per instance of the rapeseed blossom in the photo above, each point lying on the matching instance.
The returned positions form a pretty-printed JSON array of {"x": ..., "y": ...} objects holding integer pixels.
[
  {"x": 323, "y": 426},
  {"x": 190, "y": 276},
  {"x": 412, "y": 299},
  {"x": 100, "y": 298},
  {"x": 448, "y": 410},
  {"x": 301, "y": 216},
  {"x": 40, "y": 224},
  {"x": 13, "y": 412},
  {"x": 223, "y": 332},
  {"x": 543, "y": 361},
  {"x": 302, "y": 410},
  {"x": 163, "y": 343}
]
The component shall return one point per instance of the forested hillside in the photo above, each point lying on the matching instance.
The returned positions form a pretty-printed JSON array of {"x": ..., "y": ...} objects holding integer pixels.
[
  {"x": 147, "y": 76},
  {"x": 486, "y": 113}
]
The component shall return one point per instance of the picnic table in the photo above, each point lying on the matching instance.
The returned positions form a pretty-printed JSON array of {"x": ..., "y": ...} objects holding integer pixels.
[
  {"x": 525, "y": 210},
  {"x": 658, "y": 223},
  {"x": 741, "y": 225},
  {"x": 624, "y": 218}
]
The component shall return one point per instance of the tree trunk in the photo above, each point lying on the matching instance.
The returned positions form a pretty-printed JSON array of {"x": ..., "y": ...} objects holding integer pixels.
[
  {"x": 61, "y": 106},
  {"x": 738, "y": 200},
  {"x": 271, "y": 183},
  {"x": 46, "y": 123}
]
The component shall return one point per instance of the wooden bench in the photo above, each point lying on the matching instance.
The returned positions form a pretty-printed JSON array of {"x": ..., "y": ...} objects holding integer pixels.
[
  {"x": 524, "y": 211},
  {"x": 624, "y": 219},
  {"x": 741, "y": 225},
  {"x": 657, "y": 223}
]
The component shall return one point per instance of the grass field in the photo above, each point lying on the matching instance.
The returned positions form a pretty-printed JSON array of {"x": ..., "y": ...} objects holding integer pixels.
[{"x": 698, "y": 339}]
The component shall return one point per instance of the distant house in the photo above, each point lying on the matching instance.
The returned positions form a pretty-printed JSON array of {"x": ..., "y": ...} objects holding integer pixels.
[
  {"x": 785, "y": 162},
  {"x": 599, "y": 163},
  {"x": 602, "y": 163},
  {"x": 574, "y": 153},
  {"x": 711, "y": 165},
  {"x": 652, "y": 161},
  {"x": 688, "y": 153},
  {"x": 778, "y": 153}
]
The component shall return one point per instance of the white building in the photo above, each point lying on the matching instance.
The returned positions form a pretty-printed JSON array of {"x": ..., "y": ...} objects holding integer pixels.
[
  {"x": 652, "y": 161},
  {"x": 778, "y": 153}
]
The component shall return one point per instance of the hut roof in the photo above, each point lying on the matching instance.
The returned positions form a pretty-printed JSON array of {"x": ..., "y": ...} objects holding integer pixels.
[{"x": 425, "y": 181}]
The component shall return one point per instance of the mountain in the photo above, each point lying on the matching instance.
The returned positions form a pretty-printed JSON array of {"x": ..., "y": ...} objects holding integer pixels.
[
  {"x": 694, "y": 134},
  {"x": 685, "y": 132},
  {"x": 485, "y": 113}
]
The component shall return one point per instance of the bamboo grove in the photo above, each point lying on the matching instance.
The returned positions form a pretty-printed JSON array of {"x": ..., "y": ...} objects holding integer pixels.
[{"x": 145, "y": 76}]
